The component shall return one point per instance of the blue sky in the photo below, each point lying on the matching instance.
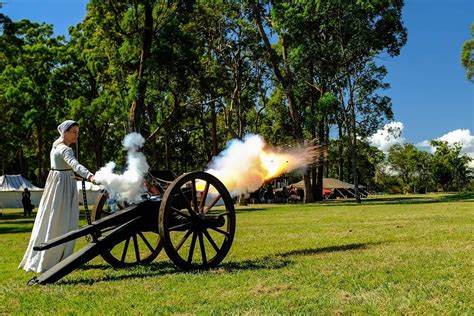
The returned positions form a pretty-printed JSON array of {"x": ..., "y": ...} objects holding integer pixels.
[
  {"x": 430, "y": 94},
  {"x": 429, "y": 90}
]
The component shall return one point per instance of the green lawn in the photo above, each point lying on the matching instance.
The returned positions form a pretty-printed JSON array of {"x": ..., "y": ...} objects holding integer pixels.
[{"x": 402, "y": 255}]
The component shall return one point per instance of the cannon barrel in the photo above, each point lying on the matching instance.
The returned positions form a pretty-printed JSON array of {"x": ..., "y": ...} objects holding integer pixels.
[{"x": 211, "y": 220}]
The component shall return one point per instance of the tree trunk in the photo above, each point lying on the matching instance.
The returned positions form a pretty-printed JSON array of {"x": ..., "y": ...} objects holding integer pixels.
[
  {"x": 284, "y": 78},
  {"x": 214, "y": 129},
  {"x": 308, "y": 193},
  {"x": 354, "y": 155},
  {"x": 340, "y": 154},
  {"x": 326, "y": 142},
  {"x": 319, "y": 183},
  {"x": 147, "y": 35},
  {"x": 316, "y": 183}
]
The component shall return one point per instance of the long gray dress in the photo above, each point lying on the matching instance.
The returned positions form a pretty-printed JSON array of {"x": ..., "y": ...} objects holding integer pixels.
[{"x": 58, "y": 211}]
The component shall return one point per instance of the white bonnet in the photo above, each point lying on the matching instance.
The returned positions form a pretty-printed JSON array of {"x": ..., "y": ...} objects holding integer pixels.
[{"x": 62, "y": 128}]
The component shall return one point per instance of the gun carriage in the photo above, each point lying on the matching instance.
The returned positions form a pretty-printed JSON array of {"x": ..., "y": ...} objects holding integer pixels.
[{"x": 191, "y": 217}]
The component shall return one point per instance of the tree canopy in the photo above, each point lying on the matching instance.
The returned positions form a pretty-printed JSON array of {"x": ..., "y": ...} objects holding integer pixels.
[{"x": 192, "y": 75}]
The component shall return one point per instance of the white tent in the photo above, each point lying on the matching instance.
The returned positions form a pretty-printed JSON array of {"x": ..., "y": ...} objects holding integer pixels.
[
  {"x": 92, "y": 191},
  {"x": 11, "y": 187},
  {"x": 336, "y": 188}
]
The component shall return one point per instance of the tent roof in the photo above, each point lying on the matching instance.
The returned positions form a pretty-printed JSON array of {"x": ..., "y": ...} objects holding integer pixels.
[
  {"x": 329, "y": 183},
  {"x": 16, "y": 183}
]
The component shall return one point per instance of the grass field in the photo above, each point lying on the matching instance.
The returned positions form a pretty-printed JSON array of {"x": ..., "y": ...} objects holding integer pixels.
[{"x": 389, "y": 255}]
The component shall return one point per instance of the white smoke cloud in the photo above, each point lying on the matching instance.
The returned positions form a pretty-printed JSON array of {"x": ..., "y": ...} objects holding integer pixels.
[
  {"x": 461, "y": 136},
  {"x": 390, "y": 135},
  {"x": 127, "y": 186},
  {"x": 245, "y": 165}
]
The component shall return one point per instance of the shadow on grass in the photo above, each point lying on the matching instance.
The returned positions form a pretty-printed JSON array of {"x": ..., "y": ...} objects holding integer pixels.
[
  {"x": 16, "y": 217},
  {"x": 154, "y": 269},
  {"x": 154, "y": 266},
  {"x": 457, "y": 197},
  {"x": 101, "y": 266},
  {"x": 21, "y": 221},
  {"x": 268, "y": 262},
  {"x": 249, "y": 209},
  {"x": 14, "y": 230},
  {"x": 330, "y": 249},
  {"x": 10, "y": 224},
  {"x": 157, "y": 269}
]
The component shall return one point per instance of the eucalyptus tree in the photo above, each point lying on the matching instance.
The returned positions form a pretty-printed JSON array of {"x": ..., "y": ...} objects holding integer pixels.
[
  {"x": 30, "y": 96},
  {"x": 96, "y": 93},
  {"x": 279, "y": 61},
  {"x": 319, "y": 44},
  {"x": 369, "y": 159},
  {"x": 233, "y": 74},
  {"x": 467, "y": 56},
  {"x": 412, "y": 167},
  {"x": 135, "y": 28},
  {"x": 363, "y": 109},
  {"x": 131, "y": 25},
  {"x": 450, "y": 168},
  {"x": 149, "y": 59},
  {"x": 368, "y": 29},
  {"x": 213, "y": 82}
]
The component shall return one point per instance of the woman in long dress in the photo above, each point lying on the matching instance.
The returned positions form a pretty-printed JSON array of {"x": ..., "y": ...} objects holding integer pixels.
[{"x": 58, "y": 210}]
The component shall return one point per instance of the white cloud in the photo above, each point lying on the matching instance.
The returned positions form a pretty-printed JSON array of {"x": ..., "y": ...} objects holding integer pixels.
[
  {"x": 461, "y": 136},
  {"x": 390, "y": 135}
]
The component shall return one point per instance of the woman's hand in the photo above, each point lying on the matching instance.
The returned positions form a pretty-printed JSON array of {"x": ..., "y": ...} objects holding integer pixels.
[{"x": 91, "y": 178}]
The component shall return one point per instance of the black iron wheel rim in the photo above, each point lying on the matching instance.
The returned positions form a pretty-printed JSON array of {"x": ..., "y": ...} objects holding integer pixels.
[
  {"x": 142, "y": 247},
  {"x": 189, "y": 240}
]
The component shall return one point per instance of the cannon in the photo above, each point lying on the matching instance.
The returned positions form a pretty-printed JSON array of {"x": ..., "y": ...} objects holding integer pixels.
[{"x": 191, "y": 217}]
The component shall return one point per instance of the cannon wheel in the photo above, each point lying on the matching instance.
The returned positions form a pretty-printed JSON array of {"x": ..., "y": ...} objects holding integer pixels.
[
  {"x": 189, "y": 240},
  {"x": 140, "y": 248}
]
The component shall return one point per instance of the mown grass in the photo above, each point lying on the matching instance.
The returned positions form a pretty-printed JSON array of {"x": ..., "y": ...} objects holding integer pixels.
[{"x": 402, "y": 255}]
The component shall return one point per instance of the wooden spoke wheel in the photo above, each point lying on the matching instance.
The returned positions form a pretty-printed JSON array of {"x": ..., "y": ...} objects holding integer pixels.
[
  {"x": 140, "y": 248},
  {"x": 197, "y": 221}
]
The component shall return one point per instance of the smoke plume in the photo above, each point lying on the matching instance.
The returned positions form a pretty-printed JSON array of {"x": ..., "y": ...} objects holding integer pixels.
[
  {"x": 245, "y": 165},
  {"x": 127, "y": 186}
]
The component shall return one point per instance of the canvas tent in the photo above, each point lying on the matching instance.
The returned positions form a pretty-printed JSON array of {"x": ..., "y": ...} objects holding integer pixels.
[
  {"x": 92, "y": 191},
  {"x": 11, "y": 187},
  {"x": 334, "y": 188}
]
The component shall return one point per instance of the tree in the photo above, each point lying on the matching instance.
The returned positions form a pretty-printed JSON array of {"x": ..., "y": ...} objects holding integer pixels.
[
  {"x": 363, "y": 110},
  {"x": 30, "y": 99},
  {"x": 450, "y": 168},
  {"x": 190, "y": 75},
  {"x": 412, "y": 167},
  {"x": 324, "y": 40},
  {"x": 95, "y": 92},
  {"x": 467, "y": 56}
]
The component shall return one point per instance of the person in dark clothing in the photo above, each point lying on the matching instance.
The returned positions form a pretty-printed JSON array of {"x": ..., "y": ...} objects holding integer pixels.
[
  {"x": 26, "y": 201},
  {"x": 269, "y": 195}
]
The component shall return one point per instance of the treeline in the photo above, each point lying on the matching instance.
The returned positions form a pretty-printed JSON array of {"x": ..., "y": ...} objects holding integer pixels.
[
  {"x": 407, "y": 169},
  {"x": 191, "y": 75}
]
